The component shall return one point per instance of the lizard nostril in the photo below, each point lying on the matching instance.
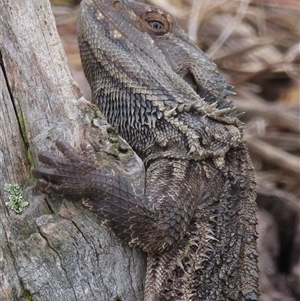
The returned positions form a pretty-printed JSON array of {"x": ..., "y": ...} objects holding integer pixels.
[{"x": 116, "y": 4}]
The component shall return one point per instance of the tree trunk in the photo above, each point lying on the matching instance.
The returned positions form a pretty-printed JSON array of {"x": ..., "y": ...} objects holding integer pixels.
[{"x": 54, "y": 249}]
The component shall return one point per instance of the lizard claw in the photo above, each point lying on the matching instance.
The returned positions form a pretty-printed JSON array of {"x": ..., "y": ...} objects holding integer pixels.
[
  {"x": 42, "y": 185},
  {"x": 64, "y": 175},
  {"x": 88, "y": 150},
  {"x": 45, "y": 186},
  {"x": 66, "y": 149},
  {"x": 50, "y": 159}
]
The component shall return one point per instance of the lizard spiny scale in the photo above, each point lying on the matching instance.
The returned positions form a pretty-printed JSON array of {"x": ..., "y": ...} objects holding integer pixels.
[{"x": 196, "y": 217}]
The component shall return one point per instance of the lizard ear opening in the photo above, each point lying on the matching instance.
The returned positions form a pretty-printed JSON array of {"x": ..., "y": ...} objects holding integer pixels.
[{"x": 190, "y": 79}]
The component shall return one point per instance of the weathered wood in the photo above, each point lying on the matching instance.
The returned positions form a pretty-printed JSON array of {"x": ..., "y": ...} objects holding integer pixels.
[{"x": 54, "y": 250}]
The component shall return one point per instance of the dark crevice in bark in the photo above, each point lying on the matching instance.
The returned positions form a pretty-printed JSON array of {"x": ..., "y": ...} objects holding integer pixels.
[
  {"x": 129, "y": 268},
  {"x": 60, "y": 260},
  {"x": 85, "y": 238},
  {"x": 21, "y": 283},
  {"x": 47, "y": 202},
  {"x": 13, "y": 101}
]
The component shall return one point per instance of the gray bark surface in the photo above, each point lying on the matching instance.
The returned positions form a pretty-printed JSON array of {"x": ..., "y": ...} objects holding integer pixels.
[{"x": 55, "y": 249}]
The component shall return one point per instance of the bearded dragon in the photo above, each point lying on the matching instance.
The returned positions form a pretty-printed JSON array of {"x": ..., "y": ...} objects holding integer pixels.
[{"x": 165, "y": 97}]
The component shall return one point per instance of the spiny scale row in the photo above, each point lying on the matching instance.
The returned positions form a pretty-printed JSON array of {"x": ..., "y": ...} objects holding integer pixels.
[{"x": 212, "y": 110}]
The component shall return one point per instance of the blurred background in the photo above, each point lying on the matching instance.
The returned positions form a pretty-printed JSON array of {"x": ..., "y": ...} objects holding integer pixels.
[{"x": 256, "y": 45}]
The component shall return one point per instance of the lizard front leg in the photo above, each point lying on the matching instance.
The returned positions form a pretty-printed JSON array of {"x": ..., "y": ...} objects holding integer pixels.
[{"x": 154, "y": 221}]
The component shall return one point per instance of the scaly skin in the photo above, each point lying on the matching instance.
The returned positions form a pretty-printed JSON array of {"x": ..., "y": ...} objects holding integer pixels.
[{"x": 196, "y": 217}]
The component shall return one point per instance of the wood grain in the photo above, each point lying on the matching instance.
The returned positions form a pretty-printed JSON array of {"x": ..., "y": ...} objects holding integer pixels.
[{"x": 54, "y": 250}]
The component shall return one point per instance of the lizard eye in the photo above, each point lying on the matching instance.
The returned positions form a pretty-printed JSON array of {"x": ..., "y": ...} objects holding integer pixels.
[{"x": 156, "y": 23}]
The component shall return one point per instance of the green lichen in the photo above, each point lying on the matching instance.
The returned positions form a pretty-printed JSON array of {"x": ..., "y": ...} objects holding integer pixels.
[
  {"x": 16, "y": 202},
  {"x": 26, "y": 139},
  {"x": 23, "y": 128},
  {"x": 30, "y": 158},
  {"x": 27, "y": 296},
  {"x": 31, "y": 179}
]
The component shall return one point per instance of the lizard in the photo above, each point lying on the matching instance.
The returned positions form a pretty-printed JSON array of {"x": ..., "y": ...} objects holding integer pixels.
[{"x": 195, "y": 218}]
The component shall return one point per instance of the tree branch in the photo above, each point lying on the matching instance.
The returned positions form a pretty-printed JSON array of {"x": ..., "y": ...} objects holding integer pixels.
[{"x": 66, "y": 255}]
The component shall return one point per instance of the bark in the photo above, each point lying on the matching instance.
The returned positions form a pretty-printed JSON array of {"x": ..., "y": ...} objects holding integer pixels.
[{"x": 55, "y": 249}]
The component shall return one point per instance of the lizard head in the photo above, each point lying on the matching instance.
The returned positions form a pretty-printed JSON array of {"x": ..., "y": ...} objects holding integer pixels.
[
  {"x": 148, "y": 78},
  {"x": 117, "y": 48},
  {"x": 183, "y": 55}
]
